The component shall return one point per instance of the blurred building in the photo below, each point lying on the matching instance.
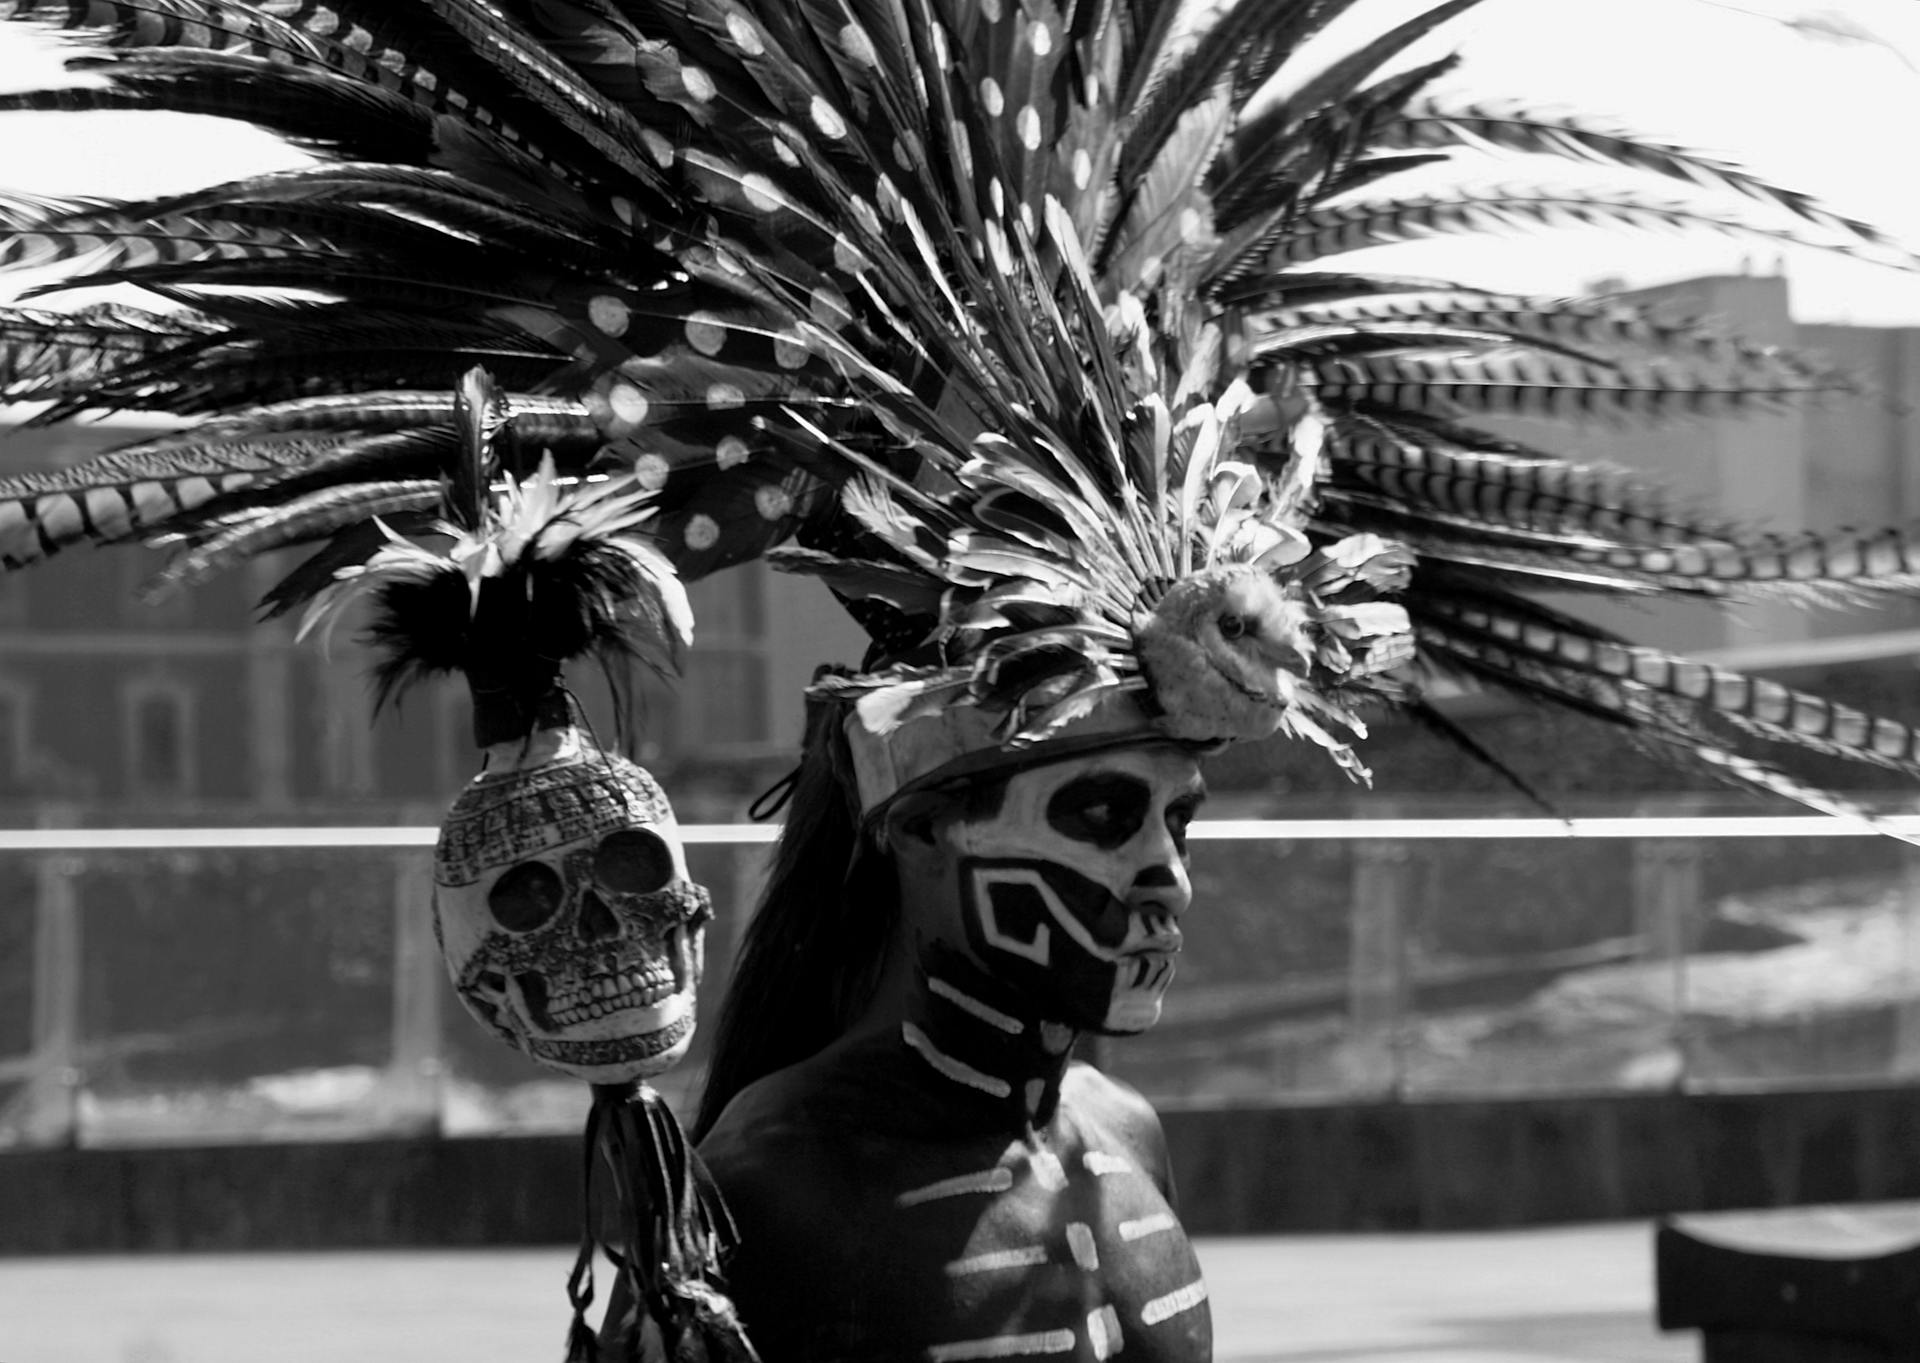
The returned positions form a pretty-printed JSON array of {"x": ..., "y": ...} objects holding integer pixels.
[
  {"x": 191, "y": 708},
  {"x": 1843, "y": 461},
  {"x": 142, "y": 994}
]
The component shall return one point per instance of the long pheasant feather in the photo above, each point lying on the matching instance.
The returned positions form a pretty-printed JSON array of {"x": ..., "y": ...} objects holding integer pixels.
[{"x": 1513, "y": 127}]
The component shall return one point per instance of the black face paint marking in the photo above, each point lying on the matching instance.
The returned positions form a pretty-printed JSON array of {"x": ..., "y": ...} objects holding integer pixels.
[
  {"x": 1025, "y": 947},
  {"x": 1155, "y": 877},
  {"x": 1104, "y": 809}
]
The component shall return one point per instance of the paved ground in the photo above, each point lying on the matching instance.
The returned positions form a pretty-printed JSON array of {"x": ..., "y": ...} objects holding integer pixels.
[{"x": 1574, "y": 1295}]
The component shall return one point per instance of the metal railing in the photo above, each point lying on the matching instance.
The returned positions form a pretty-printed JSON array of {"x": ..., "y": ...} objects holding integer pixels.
[{"x": 176, "y": 984}]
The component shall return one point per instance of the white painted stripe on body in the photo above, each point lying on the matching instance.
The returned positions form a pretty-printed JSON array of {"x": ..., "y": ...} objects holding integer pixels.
[
  {"x": 1004, "y": 1346},
  {"x": 1148, "y": 1225},
  {"x": 1171, "y": 1305},
  {"x": 1080, "y": 1242},
  {"x": 998, "y": 1259},
  {"x": 1047, "y": 1171},
  {"x": 957, "y": 1070},
  {"x": 995, "y": 1180},
  {"x": 1099, "y": 1163},
  {"x": 967, "y": 1003},
  {"x": 1103, "y": 1332}
]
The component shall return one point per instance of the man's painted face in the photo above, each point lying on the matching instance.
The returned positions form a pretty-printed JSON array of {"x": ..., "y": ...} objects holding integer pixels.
[{"x": 1073, "y": 892}]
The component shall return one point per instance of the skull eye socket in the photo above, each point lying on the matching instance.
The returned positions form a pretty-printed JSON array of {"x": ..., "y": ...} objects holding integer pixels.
[
  {"x": 632, "y": 861},
  {"x": 526, "y": 896}
]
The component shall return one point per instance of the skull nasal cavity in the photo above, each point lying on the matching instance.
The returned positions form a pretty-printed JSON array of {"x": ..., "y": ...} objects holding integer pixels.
[
  {"x": 597, "y": 922},
  {"x": 632, "y": 861}
]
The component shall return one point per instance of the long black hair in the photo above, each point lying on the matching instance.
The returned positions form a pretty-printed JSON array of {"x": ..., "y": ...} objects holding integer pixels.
[{"x": 813, "y": 953}]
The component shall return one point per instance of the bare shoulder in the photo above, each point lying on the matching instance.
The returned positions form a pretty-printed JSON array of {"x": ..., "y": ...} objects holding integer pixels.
[
  {"x": 1112, "y": 1113},
  {"x": 789, "y": 1187},
  {"x": 1120, "y": 1101},
  {"x": 771, "y": 1137}
]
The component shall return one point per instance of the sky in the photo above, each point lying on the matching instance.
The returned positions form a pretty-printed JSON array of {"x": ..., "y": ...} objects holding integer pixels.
[{"x": 1761, "y": 82}]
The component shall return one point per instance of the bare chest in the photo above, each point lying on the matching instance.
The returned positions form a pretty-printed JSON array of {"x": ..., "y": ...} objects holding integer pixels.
[{"x": 1065, "y": 1252}]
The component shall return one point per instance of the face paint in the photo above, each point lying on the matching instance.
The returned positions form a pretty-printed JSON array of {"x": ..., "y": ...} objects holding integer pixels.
[{"x": 1071, "y": 893}]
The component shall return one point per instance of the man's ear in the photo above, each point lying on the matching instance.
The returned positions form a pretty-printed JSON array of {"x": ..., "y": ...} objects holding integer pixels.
[{"x": 913, "y": 825}]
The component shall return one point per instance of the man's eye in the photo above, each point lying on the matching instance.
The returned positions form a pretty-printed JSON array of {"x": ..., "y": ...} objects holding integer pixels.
[{"x": 1104, "y": 811}]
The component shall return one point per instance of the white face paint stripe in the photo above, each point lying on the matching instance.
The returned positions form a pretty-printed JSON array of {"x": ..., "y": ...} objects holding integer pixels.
[
  {"x": 1100, "y": 1164},
  {"x": 1148, "y": 1225},
  {"x": 956, "y": 1070},
  {"x": 966, "y": 1003},
  {"x": 1171, "y": 1305},
  {"x": 1103, "y": 1332},
  {"x": 1039, "y": 950},
  {"x": 1004, "y": 1346},
  {"x": 996, "y": 1180},
  {"x": 1000, "y": 1258},
  {"x": 1080, "y": 1241}
]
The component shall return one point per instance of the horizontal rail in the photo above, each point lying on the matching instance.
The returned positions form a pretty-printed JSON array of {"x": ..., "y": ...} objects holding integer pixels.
[{"x": 1221, "y": 830}]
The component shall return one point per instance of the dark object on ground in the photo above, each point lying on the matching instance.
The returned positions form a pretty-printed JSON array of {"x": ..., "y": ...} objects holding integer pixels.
[
  {"x": 1746, "y": 935},
  {"x": 1808, "y": 1285}
]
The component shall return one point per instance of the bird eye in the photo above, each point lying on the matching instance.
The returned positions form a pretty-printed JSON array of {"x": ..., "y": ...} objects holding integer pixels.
[{"x": 1232, "y": 626}]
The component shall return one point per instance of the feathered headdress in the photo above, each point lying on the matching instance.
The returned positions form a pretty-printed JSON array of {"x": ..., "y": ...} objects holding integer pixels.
[
  {"x": 1023, "y": 318},
  {"x": 1025, "y": 321}
]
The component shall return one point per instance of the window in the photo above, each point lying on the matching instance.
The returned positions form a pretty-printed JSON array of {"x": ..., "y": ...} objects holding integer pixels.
[
  {"x": 137, "y": 569},
  {"x": 13, "y": 598},
  {"x": 159, "y": 738},
  {"x": 723, "y": 697},
  {"x": 16, "y": 711},
  {"x": 458, "y": 761}
]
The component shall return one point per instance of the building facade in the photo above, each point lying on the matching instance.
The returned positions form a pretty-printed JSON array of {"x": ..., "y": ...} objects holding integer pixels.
[
  {"x": 192, "y": 708},
  {"x": 1843, "y": 461}
]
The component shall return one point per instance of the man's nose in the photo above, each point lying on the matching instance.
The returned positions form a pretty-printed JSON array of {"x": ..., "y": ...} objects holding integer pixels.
[{"x": 1162, "y": 889}]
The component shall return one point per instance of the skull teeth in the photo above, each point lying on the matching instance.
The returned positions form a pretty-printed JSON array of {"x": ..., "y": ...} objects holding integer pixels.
[
  {"x": 682, "y": 950},
  {"x": 606, "y": 994}
]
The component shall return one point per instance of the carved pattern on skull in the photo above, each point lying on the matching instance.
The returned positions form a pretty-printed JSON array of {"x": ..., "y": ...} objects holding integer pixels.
[{"x": 567, "y": 917}]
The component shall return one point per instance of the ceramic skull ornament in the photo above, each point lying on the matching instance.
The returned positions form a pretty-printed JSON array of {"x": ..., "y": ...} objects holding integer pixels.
[{"x": 565, "y": 911}]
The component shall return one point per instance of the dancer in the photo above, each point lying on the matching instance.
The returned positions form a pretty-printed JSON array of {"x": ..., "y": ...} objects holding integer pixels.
[
  {"x": 1023, "y": 326},
  {"x": 943, "y": 1179}
]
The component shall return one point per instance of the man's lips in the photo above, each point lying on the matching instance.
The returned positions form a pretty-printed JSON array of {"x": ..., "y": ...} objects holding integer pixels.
[
  {"x": 1146, "y": 970},
  {"x": 1159, "y": 939}
]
